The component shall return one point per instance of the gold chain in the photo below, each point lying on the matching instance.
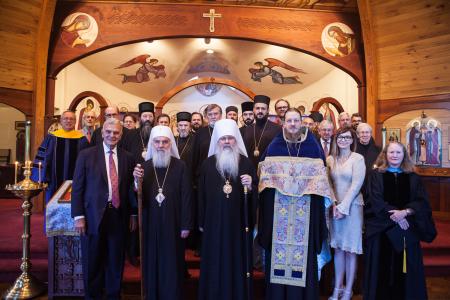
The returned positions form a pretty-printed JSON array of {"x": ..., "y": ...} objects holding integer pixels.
[{"x": 165, "y": 176}]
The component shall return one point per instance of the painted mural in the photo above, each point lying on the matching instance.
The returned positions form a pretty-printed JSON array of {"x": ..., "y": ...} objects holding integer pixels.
[
  {"x": 210, "y": 65},
  {"x": 79, "y": 30},
  {"x": 424, "y": 141},
  {"x": 208, "y": 89},
  {"x": 262, "y": 70},
  {"x": 338, "y": 39},
  {"x": 147, "y": 65}
]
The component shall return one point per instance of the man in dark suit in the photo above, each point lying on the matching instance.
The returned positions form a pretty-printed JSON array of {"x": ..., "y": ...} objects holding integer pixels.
[{"x": 101, "y": 208}]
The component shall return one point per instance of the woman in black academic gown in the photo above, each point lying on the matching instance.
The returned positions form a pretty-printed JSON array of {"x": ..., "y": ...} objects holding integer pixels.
[{"x": 398, "y": 216}]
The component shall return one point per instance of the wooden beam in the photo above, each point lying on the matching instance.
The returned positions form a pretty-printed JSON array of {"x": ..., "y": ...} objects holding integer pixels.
[
  {"x": 370, "y": 55},
  {"x": 391, "y": 107},
  {"x": 18, "y": 99},
  {"x": 167, "y": 96},
  {"x": 40, "y": 77}
]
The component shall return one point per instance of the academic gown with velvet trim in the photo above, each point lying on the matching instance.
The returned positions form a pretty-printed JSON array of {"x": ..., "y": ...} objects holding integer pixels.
[
  {"x": 254, "y": 131},
  {"x": 384, "y": 278},
  {"x": 318, "y": 231},
  {"x": 223, "y": 263},
  {"x": 57, "y": 156},
  {"x": 163, "y": 260}
]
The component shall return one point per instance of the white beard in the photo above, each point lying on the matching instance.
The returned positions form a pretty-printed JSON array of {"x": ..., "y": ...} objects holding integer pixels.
[
  {"x": 161, "y": 159},
  {"x": 227, "y": 162}
]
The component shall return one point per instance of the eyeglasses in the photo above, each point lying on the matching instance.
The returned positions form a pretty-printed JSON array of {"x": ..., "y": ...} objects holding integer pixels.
[
  {"x": 111, "y": 115},
  {"x": 344, "y": 138},
  {"x": 281, "y": 107}
]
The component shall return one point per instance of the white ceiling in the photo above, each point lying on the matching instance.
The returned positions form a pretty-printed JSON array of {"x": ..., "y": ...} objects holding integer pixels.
[{"x": 179, "y": 55}]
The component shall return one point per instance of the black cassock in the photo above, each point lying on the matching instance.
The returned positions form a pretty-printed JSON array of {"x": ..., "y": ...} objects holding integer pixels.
[
  {"x": 223, "y": 265},
  {"x": 186, "y": 150},
  {"x": 253, "y": 132},
  {"x": 384, "y": 277},
  {"x": 201, "y": 148},
  {"x": 163, "y": 260}
]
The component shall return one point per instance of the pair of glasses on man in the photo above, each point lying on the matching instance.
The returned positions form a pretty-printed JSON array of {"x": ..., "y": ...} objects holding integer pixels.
[{"x": 344, "y": 138}]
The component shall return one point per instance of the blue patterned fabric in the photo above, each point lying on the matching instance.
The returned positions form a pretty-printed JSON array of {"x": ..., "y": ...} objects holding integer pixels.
[{"x": 290, "y": 239}]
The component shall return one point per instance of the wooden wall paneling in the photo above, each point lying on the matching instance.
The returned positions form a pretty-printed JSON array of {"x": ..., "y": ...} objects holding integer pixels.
[
  {"x": 445, "y": 194},
  {"x": 18, "y": 20},
  {"x": 370, "y": 55},
  {"x": 432, "y": 187},
  {"x": 413, "y": 59}
]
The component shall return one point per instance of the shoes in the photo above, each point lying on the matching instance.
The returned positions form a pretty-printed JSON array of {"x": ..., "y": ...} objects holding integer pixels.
[
  {"x": 346, "y": 295},
  {"x": 338, "y": 292}
]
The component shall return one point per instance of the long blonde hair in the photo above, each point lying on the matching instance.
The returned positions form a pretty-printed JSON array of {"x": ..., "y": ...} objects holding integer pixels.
[{"x": 382, "y": 164}]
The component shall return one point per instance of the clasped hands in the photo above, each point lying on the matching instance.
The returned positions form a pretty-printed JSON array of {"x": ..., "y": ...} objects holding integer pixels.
[{"x": 399, "y": 217}]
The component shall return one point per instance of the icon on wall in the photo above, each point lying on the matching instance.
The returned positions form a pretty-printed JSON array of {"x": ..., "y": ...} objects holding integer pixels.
[
  {"x": 79, "y": 30},
  {"x": 338, "y": 39},
  {"x": 424, "y": 141}
]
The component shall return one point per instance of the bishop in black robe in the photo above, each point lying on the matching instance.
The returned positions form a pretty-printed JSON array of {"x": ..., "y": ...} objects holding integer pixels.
[
  {"x": 163, "y": 247},
  {"x": 226, "y": 250},
  {"x": 163, "y": 222},
  {"x": 384, "y": 276}
]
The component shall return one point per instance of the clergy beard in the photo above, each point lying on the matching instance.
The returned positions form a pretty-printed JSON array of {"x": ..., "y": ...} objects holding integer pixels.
[
  {"x": 146, "y": 128},
  {"x": 294, "y": 137},
  {"x": 262, "y": 121},
  {"x": 161, "y": 158},
  {"x": 227, "y": 161},
  {"x": 183, "y": 134},
  {"x": 248, "y": 122}
]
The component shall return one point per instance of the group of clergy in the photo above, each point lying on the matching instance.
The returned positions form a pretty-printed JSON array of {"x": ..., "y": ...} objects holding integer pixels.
[{"x": 217, "y": 181}]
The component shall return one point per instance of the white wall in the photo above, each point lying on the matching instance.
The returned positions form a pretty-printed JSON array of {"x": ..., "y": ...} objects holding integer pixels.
[
  {"x": 75, "y": 79},
  {"x": 336, "y": 84},
  {"x": 8, "y": 117}
]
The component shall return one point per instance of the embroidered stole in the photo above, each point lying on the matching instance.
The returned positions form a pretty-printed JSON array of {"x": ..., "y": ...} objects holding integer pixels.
[{"x": 290, "y": 239}]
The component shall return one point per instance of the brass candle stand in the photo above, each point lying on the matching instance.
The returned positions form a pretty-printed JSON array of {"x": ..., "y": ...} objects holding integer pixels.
[{"x": 26, "y": 285}]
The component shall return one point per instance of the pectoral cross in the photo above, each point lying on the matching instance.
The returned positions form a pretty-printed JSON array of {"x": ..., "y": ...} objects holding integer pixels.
[{"x": 211, "y": 15}]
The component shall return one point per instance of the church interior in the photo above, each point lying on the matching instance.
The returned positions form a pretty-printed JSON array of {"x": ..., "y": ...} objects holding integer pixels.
[{"x": 389, "y": 61}]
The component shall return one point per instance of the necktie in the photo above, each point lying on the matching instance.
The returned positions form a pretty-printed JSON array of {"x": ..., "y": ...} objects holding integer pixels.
[
  {"x": 88, "y": 135},
  {"x": 114, "y": 181},
  {"x": 325, "y": 148}
]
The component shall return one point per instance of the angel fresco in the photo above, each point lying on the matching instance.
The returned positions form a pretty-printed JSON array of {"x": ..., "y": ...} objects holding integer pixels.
[
  {"x": 262, "y": 70},
  {"x": 147, "y": 66}
]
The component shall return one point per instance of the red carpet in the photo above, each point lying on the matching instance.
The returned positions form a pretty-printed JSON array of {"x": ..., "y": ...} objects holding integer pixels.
[{"x": 436, "y": 255}]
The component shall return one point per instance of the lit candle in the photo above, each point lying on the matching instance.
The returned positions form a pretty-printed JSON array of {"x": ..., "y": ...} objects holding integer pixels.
[
  {"x": 39, "y": 167},
  {"x": 15, "y": 172}
]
